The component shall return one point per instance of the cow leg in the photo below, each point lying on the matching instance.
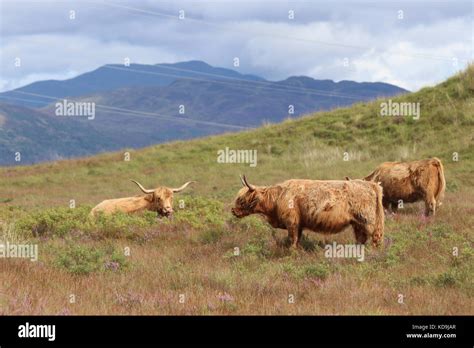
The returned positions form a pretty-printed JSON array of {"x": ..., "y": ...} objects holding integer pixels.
[
  {"x": 290, "y": 237},
  {"x": 430, "y": 205},
  {"x": 294, "y": 232},
  {"x": 300, "y": 235},
  {"x": 377, "y": 237},
  {"x": 386, "y": 203},
  {"x": 360, "y": 233}
]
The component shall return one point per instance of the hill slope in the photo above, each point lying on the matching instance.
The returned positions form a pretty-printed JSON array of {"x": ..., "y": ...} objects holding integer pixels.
[
  {"x": 193, "y": 254},
  {"x": 141, "y": 105}
]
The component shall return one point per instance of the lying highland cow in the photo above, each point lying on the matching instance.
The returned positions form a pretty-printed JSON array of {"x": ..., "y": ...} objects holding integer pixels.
[
  {"x": 159, "y": 200},
  {"x": 316, "y": 205},
  {"x": 410, "y": 182}
]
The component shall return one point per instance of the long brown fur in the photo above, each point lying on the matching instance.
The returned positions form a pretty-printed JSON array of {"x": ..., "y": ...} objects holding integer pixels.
[
  {"x": 411, "y": 182},
  {"x": 320, "y": 206}
]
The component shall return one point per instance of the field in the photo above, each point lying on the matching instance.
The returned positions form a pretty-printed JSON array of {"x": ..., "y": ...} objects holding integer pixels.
[{"x": 205, "y": 261}]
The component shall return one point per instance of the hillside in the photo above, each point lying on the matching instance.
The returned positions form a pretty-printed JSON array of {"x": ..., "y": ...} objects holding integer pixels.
[
  {"x": 193, "y": 253},
  {"x": 39, "y": 137},
  {"x": 139, "y": 106},
  {"x": 239, "y": 103}
]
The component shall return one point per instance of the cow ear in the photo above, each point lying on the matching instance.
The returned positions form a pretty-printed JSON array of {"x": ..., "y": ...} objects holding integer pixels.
[{"x": 149, "y": 197}]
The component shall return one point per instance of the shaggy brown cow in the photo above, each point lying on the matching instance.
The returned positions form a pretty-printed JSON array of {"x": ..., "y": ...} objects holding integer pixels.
[
  {"x": 317, "y": 205},
  {"x": 411, "y": 182},
  {"x": 159, "y": 200}
]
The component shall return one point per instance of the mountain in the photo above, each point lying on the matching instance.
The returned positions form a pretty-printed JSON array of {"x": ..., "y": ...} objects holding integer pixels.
[
  {"x": 113, "y": 76},
  {"x": 140, "y": 105}
]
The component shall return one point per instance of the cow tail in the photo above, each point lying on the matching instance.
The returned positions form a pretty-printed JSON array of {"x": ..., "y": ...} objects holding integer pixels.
[
  {"x": 441, "y": 181},
  {"x": 377, "y": 236}
]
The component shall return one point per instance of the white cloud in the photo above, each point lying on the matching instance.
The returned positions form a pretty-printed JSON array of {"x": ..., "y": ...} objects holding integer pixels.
[{"x": 412, "y": 52}]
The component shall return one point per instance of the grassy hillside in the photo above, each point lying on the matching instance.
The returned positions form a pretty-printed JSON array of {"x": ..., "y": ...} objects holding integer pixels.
[
  {"x": 192, "y": 255},
  {"x": 134, "y": 104}
]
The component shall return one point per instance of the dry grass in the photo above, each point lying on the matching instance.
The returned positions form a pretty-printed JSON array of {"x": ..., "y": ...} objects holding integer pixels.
[
  {"x": 175, "y": 261},
  {"x": 192, "y": 256}
]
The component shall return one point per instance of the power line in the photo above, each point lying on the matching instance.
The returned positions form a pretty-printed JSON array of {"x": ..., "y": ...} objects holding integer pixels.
[
  {"x": 142, "y": 114},
  {"x": 326, "y": 43},
  {"x": 267, "y": 85}
]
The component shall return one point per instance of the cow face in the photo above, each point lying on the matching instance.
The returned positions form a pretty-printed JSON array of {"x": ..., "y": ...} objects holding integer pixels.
[
  {"x": 161, "y": 201},
  {"x": 247, "y": 200},
  {"x": 161, "y": 198}
]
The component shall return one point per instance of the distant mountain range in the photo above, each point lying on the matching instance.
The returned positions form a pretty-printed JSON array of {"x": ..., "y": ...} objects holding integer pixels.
[{"x": 140, "y": 105}]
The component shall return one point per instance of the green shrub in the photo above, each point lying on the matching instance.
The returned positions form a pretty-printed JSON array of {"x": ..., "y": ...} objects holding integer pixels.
[
  {"x": 447, "y": 279},
  {"x": 252, "y": 224},
  {"x": 83, "y": 260},
  {"x": 60, "y": 222},
  {"x": 258, "y": 246},
  {"x": 210, "y": 236},
  {"x": 441, "y": 230},
  {"x": 319, "y": 271},
  {"x": 80, "y": 259},
  {"x": 55, "y": 221},
  {"x": 316, "y": 271},
  {"x": 199, "y": 213},
  {"x": 120, "y": 224}
]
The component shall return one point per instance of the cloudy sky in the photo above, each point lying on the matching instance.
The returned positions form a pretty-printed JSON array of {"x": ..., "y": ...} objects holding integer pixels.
[{"x": 410, "y": 43}]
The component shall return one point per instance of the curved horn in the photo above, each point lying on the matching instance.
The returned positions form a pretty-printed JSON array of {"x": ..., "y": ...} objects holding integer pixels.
[
  {"x": 144, "y": 190},
  {"x": 246, "y": 183},
  {"x": 242, "y": 180},
  {"x": 182, "y": 187}
]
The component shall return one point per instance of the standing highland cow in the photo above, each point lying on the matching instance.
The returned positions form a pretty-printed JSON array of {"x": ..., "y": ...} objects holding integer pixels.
[
  {"x": 320, "y": 206},
  {"x": 411, "y": 182}
]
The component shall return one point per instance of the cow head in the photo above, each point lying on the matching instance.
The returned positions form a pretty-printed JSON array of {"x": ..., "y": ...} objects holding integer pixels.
[
  {"x": 161, "y": 198},
  {"x": 247, "y": 199}
]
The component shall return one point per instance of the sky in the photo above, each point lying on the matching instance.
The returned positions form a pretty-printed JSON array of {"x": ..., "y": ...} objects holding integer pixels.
[{"x": 409, "y": 43}]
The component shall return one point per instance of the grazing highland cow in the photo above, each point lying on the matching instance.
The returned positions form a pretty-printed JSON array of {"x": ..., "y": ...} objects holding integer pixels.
[
  {"x": 159, "y": 200},
  {"x": 320, "y": 206},
  {"x": 411, "y": 182}
]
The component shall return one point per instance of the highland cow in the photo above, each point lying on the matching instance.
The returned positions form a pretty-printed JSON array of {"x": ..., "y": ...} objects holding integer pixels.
[
  {"x": 410, "y": 182},
  {"x": 159, "y": 200},
  {"x": 320, "y": 206}
]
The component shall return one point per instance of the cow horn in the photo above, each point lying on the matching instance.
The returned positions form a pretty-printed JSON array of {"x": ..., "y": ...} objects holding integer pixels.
[
  {"x": 182, "y": 187},
  {"x": 144, "y": 190},
  {"x": 242, "y": 180},
  {"x": 246, "y": 183}
]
